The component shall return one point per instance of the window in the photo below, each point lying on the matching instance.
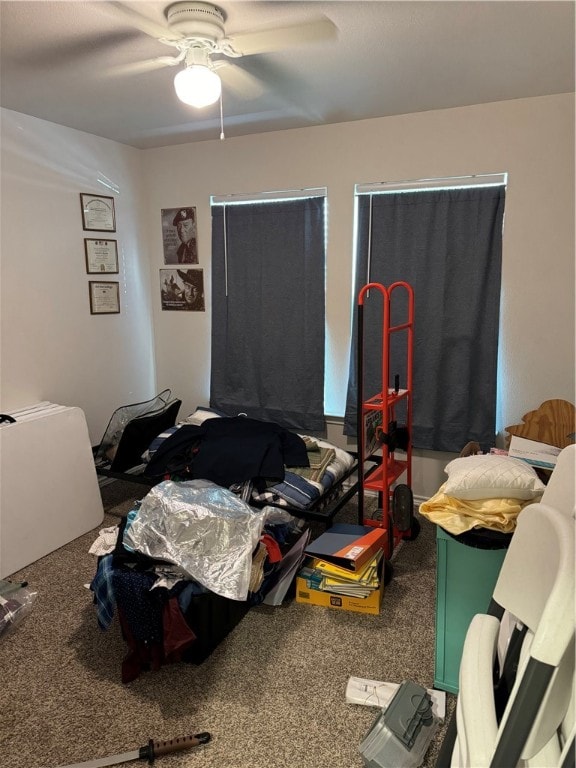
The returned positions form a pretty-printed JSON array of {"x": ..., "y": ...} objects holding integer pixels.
[
  {"x": 446, "y": 241},
  {"x": 268, "y": 266}
]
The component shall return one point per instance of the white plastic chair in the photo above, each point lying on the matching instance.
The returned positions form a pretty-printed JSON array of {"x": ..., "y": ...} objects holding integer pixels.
[
  {"x": 560, "y": 492},
  {"x": 536, "y": 586}
]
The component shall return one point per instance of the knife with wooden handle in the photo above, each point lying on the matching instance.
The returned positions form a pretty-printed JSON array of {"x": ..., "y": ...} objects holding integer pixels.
[{"x": 150, "y": 752}]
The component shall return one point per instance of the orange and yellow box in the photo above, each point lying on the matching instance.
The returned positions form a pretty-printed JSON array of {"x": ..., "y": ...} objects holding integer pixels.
[{"x": 370, "y": 604}]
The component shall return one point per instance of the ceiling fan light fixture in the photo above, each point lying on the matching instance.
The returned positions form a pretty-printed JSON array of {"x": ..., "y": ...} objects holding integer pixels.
[{"x": 198, "y": 86}]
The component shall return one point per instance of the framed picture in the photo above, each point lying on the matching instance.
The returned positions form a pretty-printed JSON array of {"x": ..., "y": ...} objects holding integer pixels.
[
  {"x": 98, "y": 213},
  {"x": 101, "y": 256},
  {"x": 104, "y": 298},
  {"x": 372, "y": 422},
  {"x": 182, "y": 290},
  {"x": 179, "y": 235}
]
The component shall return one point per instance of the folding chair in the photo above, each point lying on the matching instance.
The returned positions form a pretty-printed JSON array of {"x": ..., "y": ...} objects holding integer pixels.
[{"x": 536, "y": 588}]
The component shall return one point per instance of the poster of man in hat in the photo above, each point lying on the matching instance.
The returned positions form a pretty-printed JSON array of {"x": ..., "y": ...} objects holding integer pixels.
[
  {"x": 182, "y": 290},
  {"x": 179, "y": 235}
]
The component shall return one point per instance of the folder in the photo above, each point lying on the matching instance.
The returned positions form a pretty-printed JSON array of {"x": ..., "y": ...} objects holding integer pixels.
[
  {"x": 334, "y": 584},
  {"x": 347, "y": 546},
  {"x": 363, "y": 574}
]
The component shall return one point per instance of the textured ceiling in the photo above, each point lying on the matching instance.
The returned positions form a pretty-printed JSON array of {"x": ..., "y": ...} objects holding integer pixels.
[{"x": 66, "y": 61}]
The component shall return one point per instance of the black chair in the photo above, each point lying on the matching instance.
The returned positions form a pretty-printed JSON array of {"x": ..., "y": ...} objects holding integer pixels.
[{"x": 136, "y": 438}]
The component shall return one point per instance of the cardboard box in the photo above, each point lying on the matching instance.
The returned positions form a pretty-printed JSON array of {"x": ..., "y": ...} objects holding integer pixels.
[
  {"x": 533, "y": 452},
  {"x": 370, "y": 604}
]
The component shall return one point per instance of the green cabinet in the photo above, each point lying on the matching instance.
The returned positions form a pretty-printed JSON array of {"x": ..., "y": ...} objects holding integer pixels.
[{"x": 465, "y": 580}]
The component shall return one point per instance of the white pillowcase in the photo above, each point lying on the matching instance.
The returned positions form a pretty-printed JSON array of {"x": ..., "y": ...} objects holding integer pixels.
[
  {"x": 200, "y": 415},
  {"x": 491, "y": 476}
]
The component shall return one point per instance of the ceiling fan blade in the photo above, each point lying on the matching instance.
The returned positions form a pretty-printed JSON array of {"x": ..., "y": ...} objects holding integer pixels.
[
  {"x": 140, "y": 67},
  {"x": 269, "y": 40},
  {"x": 137, "y": 20},
  {"x": 238, "y": 80}
]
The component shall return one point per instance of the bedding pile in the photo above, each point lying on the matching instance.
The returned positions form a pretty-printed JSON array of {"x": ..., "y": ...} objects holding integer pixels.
[
  {"x": 228, "y": 451},
  {"x": 203, "y": 529},
  {"x": 183, "y": 567},
  {"x": 284, "y": 469}
]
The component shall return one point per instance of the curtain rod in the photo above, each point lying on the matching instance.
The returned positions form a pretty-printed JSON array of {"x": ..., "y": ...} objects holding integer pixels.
[
  {"x": 272, "y": 196},
  {"x": 449, "y": 181}
]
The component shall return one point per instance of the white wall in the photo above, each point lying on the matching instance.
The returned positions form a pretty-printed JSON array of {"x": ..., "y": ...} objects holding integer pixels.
[{"x": 52, "y": 348}]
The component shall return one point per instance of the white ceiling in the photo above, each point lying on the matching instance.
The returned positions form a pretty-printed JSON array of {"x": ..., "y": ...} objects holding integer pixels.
[{"x": 59, "y": 61}]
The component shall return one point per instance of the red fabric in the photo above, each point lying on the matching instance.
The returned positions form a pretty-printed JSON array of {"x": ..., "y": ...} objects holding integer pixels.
[
  {"x": 274, "y": 552},
  {"x": 177, "y": 634},
  {"x": 177, "y": 637}
]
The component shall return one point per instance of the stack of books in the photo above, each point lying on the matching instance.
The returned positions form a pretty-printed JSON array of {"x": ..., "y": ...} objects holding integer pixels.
[
  {"x": 327, "y": 577},
  {"x": 345, "y": 560}
]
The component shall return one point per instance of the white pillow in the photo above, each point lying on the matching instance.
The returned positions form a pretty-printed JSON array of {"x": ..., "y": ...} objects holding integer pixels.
[
  {"x": 201, "y": 415},
  {"x": 490, "y": 477}
]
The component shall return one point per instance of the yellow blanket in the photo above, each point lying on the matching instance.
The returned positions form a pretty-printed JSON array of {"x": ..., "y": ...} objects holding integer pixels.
[{"x": 458, "y": 515}]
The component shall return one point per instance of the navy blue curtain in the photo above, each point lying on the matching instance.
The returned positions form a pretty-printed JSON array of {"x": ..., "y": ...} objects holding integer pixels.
[
  {"x": 268, "y": 266},
  {"x": 447, "y": 244}
]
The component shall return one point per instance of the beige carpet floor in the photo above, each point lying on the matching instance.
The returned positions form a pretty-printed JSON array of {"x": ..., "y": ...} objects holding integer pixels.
[{"x": 272, "y": 694}]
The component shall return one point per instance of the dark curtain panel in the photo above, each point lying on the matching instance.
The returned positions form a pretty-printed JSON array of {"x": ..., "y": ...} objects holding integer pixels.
[
  {"x": 447, "y": 244},
  {"x": 268, "y": 264}
]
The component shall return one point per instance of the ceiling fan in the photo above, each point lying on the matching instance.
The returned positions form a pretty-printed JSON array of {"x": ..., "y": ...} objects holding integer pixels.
[{"x": 196, "y": 30}]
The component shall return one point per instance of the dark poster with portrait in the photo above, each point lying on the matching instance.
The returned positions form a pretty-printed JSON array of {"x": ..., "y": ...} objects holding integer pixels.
[
  {"x": 182, "y": 290},
  {"x": 179, "y": 235}
]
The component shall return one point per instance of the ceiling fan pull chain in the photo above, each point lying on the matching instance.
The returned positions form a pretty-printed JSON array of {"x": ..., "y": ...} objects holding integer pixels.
[{"x": 222, "y": 137}]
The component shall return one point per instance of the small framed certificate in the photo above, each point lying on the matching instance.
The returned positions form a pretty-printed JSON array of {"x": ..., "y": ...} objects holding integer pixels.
[
  {"x": 104, "y": 298},
  {"x": 98, "y": 213},
  {"x": 101, "y": 256}
]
